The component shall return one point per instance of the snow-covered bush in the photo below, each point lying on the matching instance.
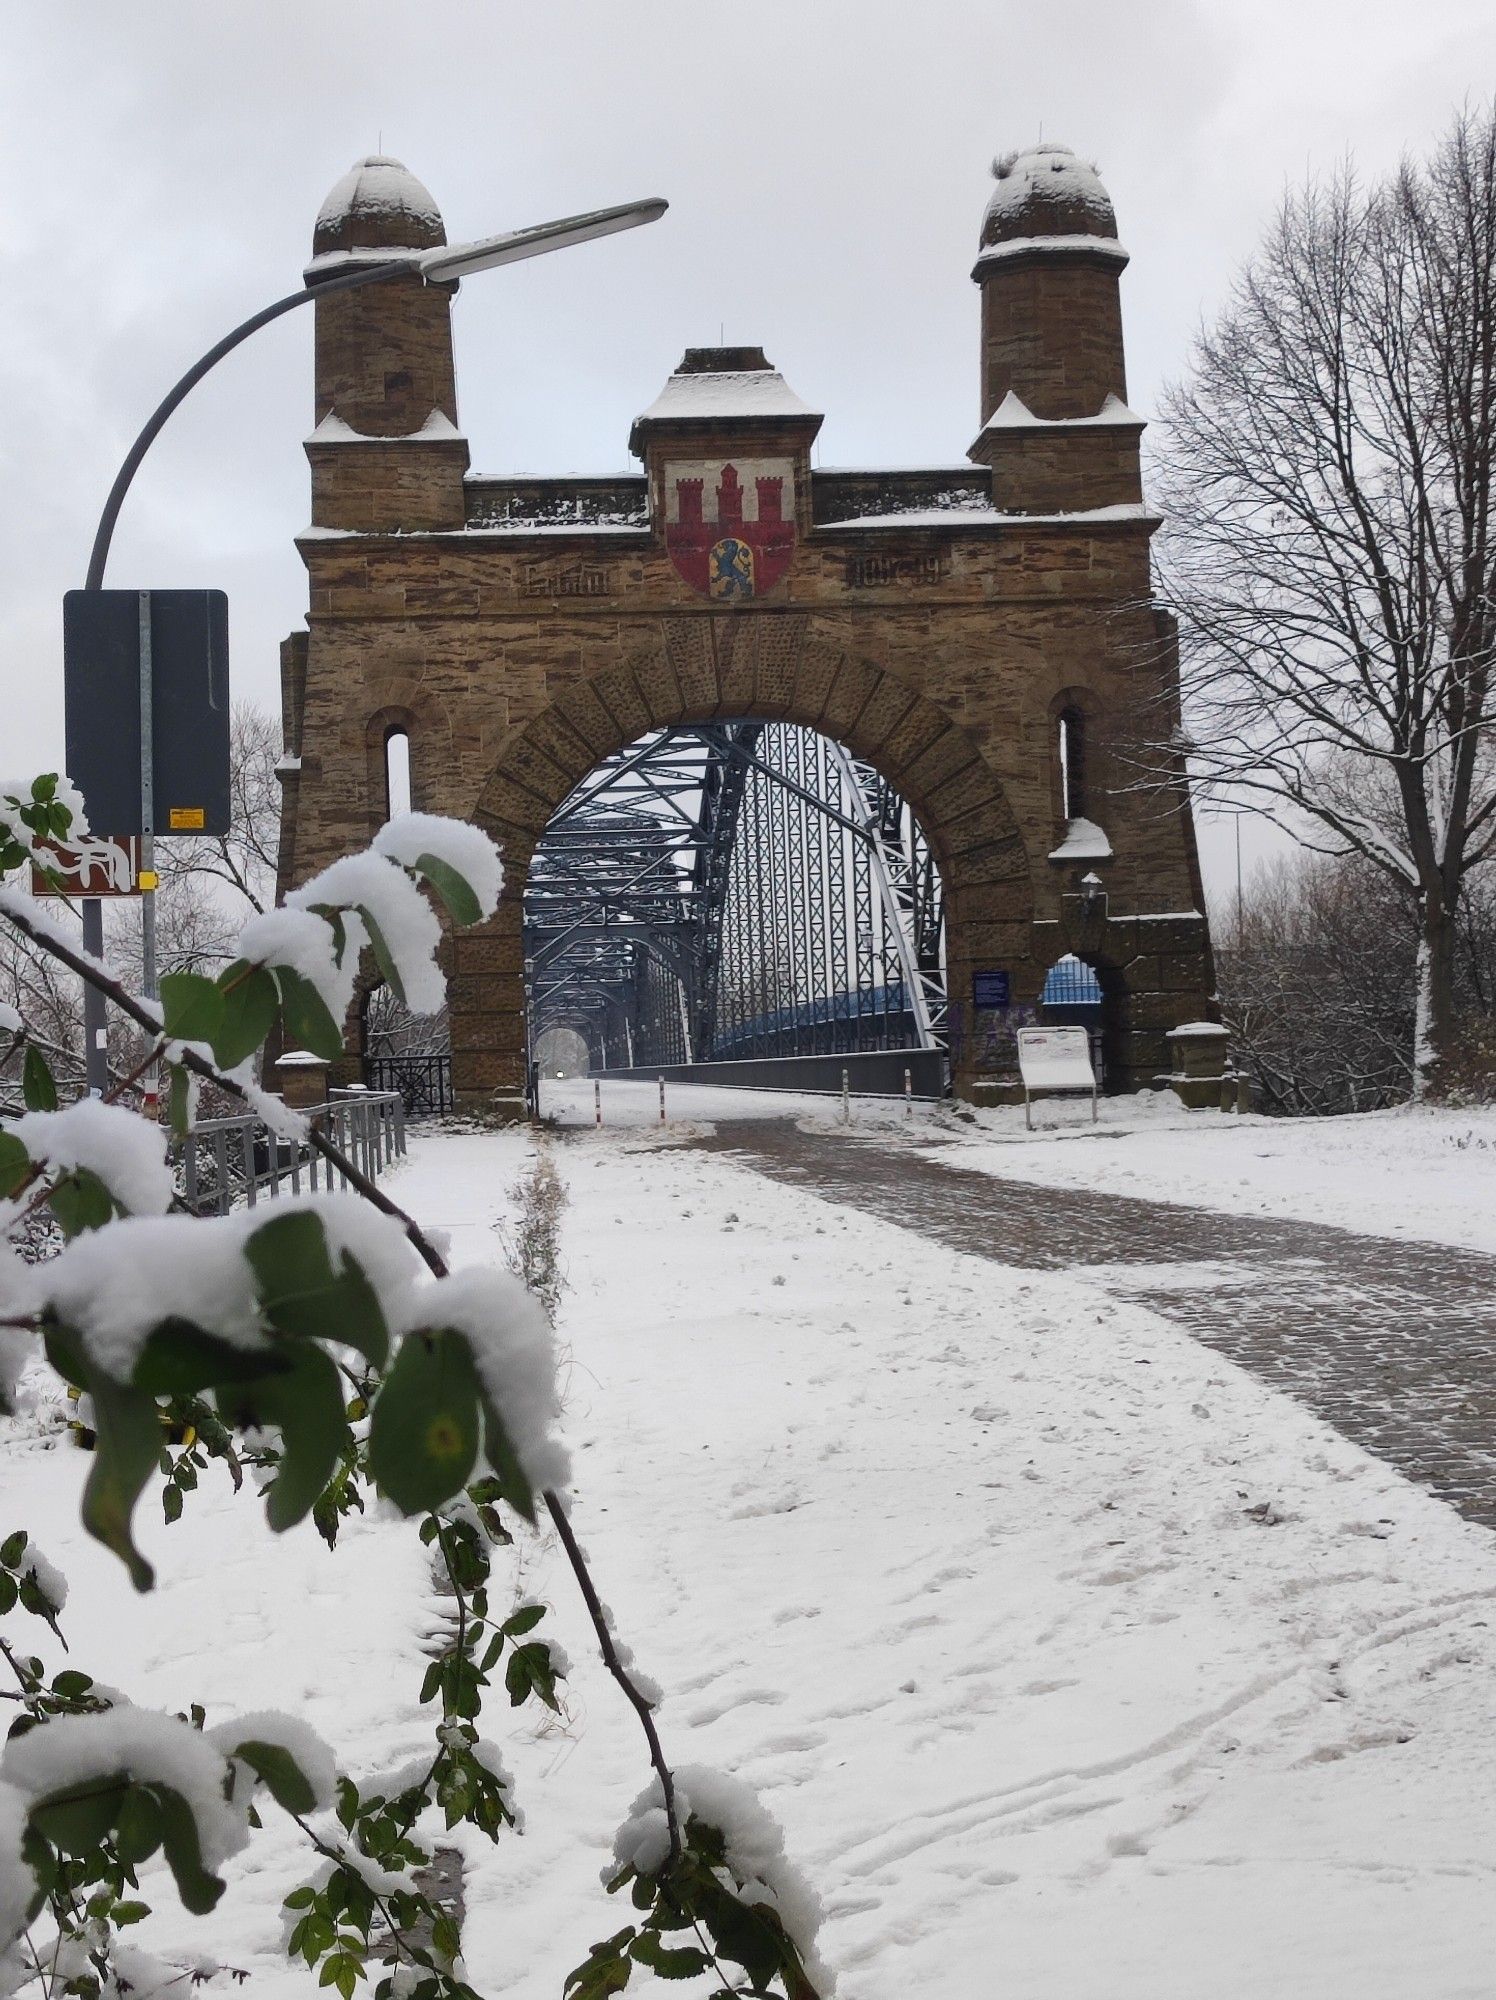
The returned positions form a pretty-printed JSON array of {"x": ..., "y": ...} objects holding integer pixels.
[{"x": 327, "y": 1347}]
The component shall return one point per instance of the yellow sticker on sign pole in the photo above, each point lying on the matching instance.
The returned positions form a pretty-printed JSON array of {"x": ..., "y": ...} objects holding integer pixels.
[{"x": 187, "y": 819}]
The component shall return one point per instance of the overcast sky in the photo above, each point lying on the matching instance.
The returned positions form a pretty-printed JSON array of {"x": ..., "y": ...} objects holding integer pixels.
[{"x": 826, "y": 161}]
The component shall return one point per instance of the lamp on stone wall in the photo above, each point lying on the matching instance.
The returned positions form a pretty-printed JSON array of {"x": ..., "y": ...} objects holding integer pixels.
[{"x": 1092, "y": 895}]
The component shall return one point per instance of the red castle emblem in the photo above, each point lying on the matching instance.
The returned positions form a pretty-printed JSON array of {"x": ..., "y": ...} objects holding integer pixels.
[{"x": 730, "y": 527}]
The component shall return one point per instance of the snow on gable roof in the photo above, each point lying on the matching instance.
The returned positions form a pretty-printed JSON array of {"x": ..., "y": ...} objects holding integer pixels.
[{"x": 735, "y": 392}]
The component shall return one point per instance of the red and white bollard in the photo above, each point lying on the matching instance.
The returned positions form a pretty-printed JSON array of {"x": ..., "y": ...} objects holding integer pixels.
[
  {"x": 908, "y": 1093},
  {"x": 597, "y": 1100},
  {"x": 662, "y": 1100}
]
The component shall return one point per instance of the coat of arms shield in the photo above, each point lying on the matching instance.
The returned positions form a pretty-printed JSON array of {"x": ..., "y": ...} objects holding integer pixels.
[{"x": 730, "y": 523}]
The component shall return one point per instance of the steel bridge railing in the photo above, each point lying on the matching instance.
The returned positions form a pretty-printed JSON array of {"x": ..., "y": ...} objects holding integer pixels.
[{"x": 224, "y": 1161}]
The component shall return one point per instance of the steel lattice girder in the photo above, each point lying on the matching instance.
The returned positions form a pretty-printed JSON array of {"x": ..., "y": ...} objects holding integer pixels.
[{"x": 737, "y": 864}]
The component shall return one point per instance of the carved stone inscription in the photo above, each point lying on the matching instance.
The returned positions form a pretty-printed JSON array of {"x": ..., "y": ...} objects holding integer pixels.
[
  {"x": 875, "y": 570},
  {"x": 579, "y": 579}
]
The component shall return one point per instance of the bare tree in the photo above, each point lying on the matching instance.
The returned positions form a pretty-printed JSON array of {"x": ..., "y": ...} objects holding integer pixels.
[
  {"x": 1327, "y": 472},
  {"x": 243, "y": 859}
]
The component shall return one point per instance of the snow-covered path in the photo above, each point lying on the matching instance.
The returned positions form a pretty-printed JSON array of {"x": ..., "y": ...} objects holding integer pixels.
[{"x": 1075, "y": 1662}]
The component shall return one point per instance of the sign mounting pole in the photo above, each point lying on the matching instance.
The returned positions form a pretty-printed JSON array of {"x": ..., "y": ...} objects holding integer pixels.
[{"x": 147, "y": 826}]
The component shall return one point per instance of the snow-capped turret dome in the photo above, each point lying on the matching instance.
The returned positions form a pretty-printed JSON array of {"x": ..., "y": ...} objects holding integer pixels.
[
  {"x": 1046, "y": 191},
  {"x": 377, "y": 205}
]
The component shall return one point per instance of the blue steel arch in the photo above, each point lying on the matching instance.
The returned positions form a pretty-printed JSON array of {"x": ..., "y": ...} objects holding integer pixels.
[{"x": 734, "y": 888}]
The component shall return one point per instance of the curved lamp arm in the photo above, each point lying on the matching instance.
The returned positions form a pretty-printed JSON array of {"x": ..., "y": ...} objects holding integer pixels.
[
  {"x": 371, "y": 275},
  {"x": 439, "y": 265}
]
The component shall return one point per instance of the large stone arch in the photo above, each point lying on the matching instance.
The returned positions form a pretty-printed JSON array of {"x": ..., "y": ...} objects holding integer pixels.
[{"x": 709, "y": 667}]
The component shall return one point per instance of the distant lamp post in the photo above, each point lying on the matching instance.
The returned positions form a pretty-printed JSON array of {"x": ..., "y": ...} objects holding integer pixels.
[{"x": 440, "y": 265}]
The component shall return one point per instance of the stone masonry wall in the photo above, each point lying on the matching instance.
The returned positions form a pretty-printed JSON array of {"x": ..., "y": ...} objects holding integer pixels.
[{"x": 940, "y": 654}]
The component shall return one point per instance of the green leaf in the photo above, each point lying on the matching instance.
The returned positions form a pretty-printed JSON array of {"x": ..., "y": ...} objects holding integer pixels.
[
  {"x": 179, "y": 1358},
  {"x": 139, "y": 1831},
  {"x": 607, "y": 1969},
  {"x": 191, "y": 1007},
  {"x": 306, "y": 1401},
  {"x": 423, "y": 1435},
  {"x": 76, "y": 1819},
  {"x": 669, "y": 1961},
  {"x": 524, "y": 1620},
  {"x": 81, "y": 1201},
  {"x": 13, "y": 1548},
  {"x": 462, "y": 905},
  {"x": 37, "y": 1084},
  {"x": 129, "y": 1438},
  {"x": 383, "y": 957},
  {"x": 250, "y": 999},
  {"x": 198, "y": 1889},
  {"x": 15, "y": 1163},
  {"x": 302, "y": 1294},
  {"x": 65, "y": 1353},
  {"x": 308, "y": 1023},
  {"x": 171, "y": 1503},
  {"x": 280, "y": 1773},
  {"x": 514, "y": 1482}
]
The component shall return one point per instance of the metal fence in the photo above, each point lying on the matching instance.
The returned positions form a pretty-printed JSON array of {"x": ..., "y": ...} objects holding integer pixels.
[
  {"x": 224, "y": 1161},
  {"x": 424, "y": 1082}
]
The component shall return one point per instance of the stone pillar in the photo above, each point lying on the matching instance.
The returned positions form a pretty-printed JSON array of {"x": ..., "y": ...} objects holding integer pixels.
[{"x": 303, "y": 1079}]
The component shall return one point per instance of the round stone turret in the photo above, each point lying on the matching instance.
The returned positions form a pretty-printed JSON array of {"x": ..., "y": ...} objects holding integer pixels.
[
  {"x": 1048, "y": 268},
  {"x": 1046, "y": 191},
  {"x": 383, "y": 362},
  {"x": 377, "y": 205}
]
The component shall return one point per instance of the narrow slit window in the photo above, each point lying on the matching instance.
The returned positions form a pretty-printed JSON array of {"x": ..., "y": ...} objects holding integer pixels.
[
  {"x": 1072, "y": 751},
  {"x": 396, "y": 774}
]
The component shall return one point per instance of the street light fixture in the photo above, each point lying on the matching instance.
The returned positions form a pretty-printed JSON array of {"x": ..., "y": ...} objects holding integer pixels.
[{"x": 441, "y": 265}]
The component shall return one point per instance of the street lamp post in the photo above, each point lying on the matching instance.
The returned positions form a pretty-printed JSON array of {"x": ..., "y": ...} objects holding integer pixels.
[{"x": 440, "y": 265}]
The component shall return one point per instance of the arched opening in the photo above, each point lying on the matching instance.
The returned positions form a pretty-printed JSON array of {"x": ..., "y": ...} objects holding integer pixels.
[
  {"x": 396, "y": 772},
  {"x": 733, "y": 892},
  {"x": 1070, "y": 751},
  {"x": 1085, "y": 993}
]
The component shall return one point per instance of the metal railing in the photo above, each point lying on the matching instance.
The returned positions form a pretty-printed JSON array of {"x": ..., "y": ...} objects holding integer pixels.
[{"x": 224, "y": 1161}]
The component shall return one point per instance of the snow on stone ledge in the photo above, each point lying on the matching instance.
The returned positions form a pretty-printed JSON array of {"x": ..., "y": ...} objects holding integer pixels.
[
  {"x": 1012, "y": 414},
  {"x": 1198, "y": 1028},
  {"x": 1084, "y": 841},
  {"x": 988, "y": 516},
  {"x": 1063, "y": 246},
  {"x": 334, "y": 430}
]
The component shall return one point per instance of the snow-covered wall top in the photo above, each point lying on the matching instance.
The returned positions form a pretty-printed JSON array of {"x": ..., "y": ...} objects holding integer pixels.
[
  {"x": 1046, "y": 191},
  {"x": 378, "y": 204}
]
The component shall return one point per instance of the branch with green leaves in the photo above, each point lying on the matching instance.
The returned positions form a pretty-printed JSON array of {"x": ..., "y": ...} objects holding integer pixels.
[{"x": 193, "y": 1331}]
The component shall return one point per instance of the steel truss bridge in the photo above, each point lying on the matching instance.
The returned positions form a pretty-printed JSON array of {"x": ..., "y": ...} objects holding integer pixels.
[{"x": 731, "y": 890}]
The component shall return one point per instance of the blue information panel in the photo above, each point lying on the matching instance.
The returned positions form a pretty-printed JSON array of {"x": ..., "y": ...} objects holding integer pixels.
[{"x": 990, "y": 989}]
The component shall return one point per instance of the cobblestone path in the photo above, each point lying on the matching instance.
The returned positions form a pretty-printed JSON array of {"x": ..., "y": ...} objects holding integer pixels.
[{"x": 1392, "y": 1342}]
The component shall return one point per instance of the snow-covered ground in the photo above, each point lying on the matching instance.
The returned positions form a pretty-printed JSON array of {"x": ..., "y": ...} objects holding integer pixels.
[
  {"x": 1428, "y": 1173},
  {"x": 1075, "y": 1663}
]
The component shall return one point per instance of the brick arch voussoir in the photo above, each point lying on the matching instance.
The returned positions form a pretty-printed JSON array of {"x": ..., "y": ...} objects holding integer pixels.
[{"x": 696, "y": 676}]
